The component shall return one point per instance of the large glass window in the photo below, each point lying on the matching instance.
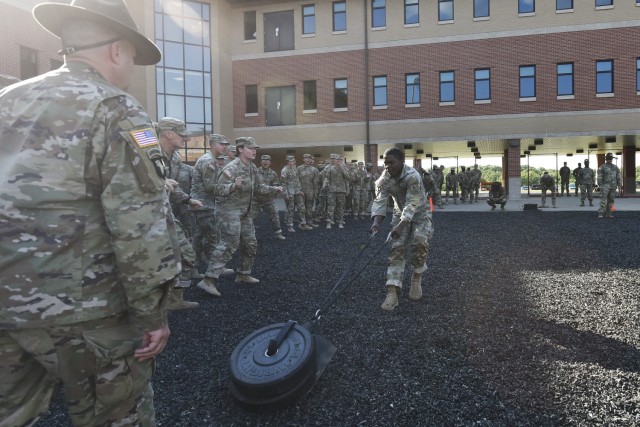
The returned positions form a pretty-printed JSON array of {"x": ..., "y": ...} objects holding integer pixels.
[
  {"x": 445, "y": 10},
  {"x": 565, "y": 79},
  {"x": 183, "y": 76},
  {"x": 447, "y": 86},
  {"x": 28, "y": 63},
  {"x": 411, "y": 12},
  {"x": 480, "y": 8},
  {"x": 482, "y": 84},
  {"x": 251, "y": 99},
  {"x": 310, "y": 95},
  {"x": 604, "y": 76},
  {"x": 526, "y": 6},
  {"x": 527, "y": 81},
  {"x": 378, "y": 13},
  {"x": 340, "y": 93},
  {"x": 564, "y": 4},
  {"x": 250, "y": 25},
  {"x": 309, "y": 19},
  {"x": 379, "y": 91},
  {"x": 412, "y": 85},
  {"x": 339, "y": 16}
]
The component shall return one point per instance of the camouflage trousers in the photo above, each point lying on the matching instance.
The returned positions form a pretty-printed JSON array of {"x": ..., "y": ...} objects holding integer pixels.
[
  {"x": 295, "y": 201},
  {"x": 309, "y": 199},
  {"x": 269, "y": 206},
  {"x": 335, "y": 204},
  {"x": 437, "y": 196},
  {"x": 544, "y": 197},
  {"x": 187, "y": 254},
  {"x": 417, "y": 236},
  {"x": 321, "y": 209},
  {"x": 586, "y": 192},
  {"x": 104, "y": 384},
  {"x": 236, "y": 232},
  {"x": 564, "y": 185},
  {"x": 206, "y": 235},
  {"x": 607, "y": 198},
  {"x": 359, "y": 202},
  {"x": 464, "y": 192},
  {"x": 454, "y": 192}
]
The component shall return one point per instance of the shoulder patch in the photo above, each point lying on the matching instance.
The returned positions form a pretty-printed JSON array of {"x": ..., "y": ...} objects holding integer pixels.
[
  {"x": 144, "y": 137},
  {"x": 228, "y": 173}
]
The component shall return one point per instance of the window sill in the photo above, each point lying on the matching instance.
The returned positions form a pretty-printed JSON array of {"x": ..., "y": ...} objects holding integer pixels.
[
  {"x": 446, "y": 104},
  {"x": 528, "y": 99},
  {"x": 412, "y": 25},
  {"x": 481, "y": 18},
  {"x": 339, "y": 110},
  {"x": 251, "y": 114},
  {"x": 308, "y": 35},
  {"x": 610, "y": 6},
  {"x": 527, "y": 14},
  {"x": 604, "y": 95},
  {"x": 564, "y": 11},
  {"x": 309, "y": 111},
  {"x": 482, "y": 101},
  {"x": 418, "y": 105},
  {"x": 340, "y": 32},
  {"x": 378, "y": 28},
  {"x": 446, "y": 22},
  {"x": 380, "y": 107},
  {"x": 249, "y": 41},
  {"x": 566, "y": 97}
]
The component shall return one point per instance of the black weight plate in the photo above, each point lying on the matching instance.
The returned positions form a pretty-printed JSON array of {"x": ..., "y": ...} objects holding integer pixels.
[{"x": 254, "y": 374}]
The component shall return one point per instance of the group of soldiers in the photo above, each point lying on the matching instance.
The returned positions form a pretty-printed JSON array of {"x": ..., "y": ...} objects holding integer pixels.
[{"x": 468, "y": 180}]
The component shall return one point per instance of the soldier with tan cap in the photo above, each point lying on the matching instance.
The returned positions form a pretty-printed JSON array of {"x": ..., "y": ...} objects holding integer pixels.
[
  {"x": 336, "y": 177},
  {"x": 308, "y": 176},
  {"x": 293, "y": 195},
  {"x": 267, "y": 202}
]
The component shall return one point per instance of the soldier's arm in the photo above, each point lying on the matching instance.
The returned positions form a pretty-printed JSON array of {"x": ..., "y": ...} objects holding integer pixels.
[{"x": 414, "y": 198}]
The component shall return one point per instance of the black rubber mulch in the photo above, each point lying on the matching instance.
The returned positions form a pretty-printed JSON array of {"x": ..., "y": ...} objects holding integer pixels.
[{"x": 528, "y": 319}]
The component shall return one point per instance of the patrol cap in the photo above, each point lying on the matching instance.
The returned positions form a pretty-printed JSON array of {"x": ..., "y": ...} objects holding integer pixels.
[
  {"x": 291, "y": 159},
  {"x": 361, "y": 163},
  {"x": 265, "y": 157},
  {"x": 112, "y": 14},
  {"x": 307, "y": 156},
  {"x": 334, "y": 156},
  {"x": 232, "y": 148},
  {"x": 246, "y": 141},
  {"x": 586, "y": 161},
  {"x": 609, "y": 156},
  {"x": 216, "y": 137},
  {"x": 176, "y": 125}
]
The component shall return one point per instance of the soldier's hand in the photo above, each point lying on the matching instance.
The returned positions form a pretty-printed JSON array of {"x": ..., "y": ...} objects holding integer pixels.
[
  {"x": 195, "y": 203},
  {"x": 280, "y": 190},
  {"x": 301, "y": 194},
  {"x": 170, "y": 184},
  {"x": 396, "y": 232},
  {"x": 153, "y": 342}
]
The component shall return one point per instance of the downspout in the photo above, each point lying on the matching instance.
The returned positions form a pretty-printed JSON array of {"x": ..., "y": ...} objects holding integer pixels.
[{"x": 367, "y": 142}]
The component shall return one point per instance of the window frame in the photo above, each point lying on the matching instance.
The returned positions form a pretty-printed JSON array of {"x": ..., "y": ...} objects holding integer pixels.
[
  {"x": 408, "y": 6},
  {"x": 560, "y": 75},
  {"x": 339, "y": 90},
  {"x": 475, "y": 14},
  {"x": 336, "y": 13},
  {"x": 309, "y": 96},
  {"x": 525, "y": 78},
  {"x": 375, "y": 9},
  {"x": 304, "y": 20},
  {"x": 609, "y": 72},
  {"x": 522, "y": 2},
  {"x": 440, "y": 4},
  {"x": 377, "y": 87},
  {"x": 451, "y": 82},
  {"x": 413, "y": 87},
  {"x": 254, "y": 36},
  {"x": 558, "y": 8},
  {"x": 251, "y": 100},
  {"x": 609, "y": 4},
  {"x": 484, "y": 80}
]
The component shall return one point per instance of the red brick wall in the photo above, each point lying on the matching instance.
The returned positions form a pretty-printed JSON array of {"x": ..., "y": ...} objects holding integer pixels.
[{"x": 502, "y": 55}]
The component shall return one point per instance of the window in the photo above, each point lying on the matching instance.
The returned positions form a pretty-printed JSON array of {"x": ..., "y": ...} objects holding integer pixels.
[
  {"x": 638, "y": 73},
  {"x": 310, "y": 95},
  {"x": 482, "y": 84},
  {"x": 565, "y": 79},
  {"x": 379, "y": 91},
  {"x": 28, "y": 63},
  {"x": 251, "y": 99},
  {"x": 309, "y": 19},
  {"x": 339, "y": 16},
  {"x": 480, "y": 8},
  {"x": 378, "y": 13},
  {"x": 250, "y": 25},
  {"x": 604, "y": 76},
  {"x": 527, "y": 81},
  {"x": 340, "y": 93},
  {"x": 445, "y": 10},
  {"x": 526, "y": 6},
  {"x": 412, "y": 83},
  {"x": 604, "y": 3},
  {"x": 411, "y": 12},
  {"x": 447, "y": 86},
  {"x": 564, "y": 4}
]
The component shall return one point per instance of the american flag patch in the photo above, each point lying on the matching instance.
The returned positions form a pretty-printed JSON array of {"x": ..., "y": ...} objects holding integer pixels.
[{"x": 144, "y": 137}]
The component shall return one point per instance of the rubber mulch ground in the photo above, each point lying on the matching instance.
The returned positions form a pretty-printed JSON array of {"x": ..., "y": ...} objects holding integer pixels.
[{"x": 528, "y": 319}]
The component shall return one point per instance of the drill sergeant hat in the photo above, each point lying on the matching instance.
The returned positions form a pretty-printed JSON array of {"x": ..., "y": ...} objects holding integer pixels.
[{"x": 609, "y": 156}]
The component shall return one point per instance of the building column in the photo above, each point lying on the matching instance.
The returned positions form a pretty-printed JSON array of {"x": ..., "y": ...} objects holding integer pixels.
[
  {"x": 511, "y": 169},
  {"x": 371, "y": 154},
  {"x": 629, "y": 170}
]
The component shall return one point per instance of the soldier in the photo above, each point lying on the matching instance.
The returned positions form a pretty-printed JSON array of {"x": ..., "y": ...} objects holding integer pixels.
[
  {"x": 587, "y": 181},
  {"x": 231, "y": 153},
  {"x": 565, "y": 175},
  {"x": 438, "y": 178},
  {"x": 452, "y": 185},
  {"x": 88, "y": 245},
  {"x": 497, "y": 196},
  {"x": 183, "y": 212},
  {"x": 267, "y": 202},
  {"x": 321, "y": 210},
  {"x": 576, "y": 176},
  {"x": 336, "y": 177},
  {"x": 172, "y": 135},
  {"x": 359, "y": 181},
  {"x": 609, "y": 181},
  {"x": 293, "y": 195},
  {"x": 547, "y": 183},
  {"x": 429, "y": 184},
  {"x": 463, "y": 181},
  {"x": 411, "y": 222},
  {"x": 476, "y": 179},
  {"x": 236, "y": 187},
  {"x": 308, "y": 176}
]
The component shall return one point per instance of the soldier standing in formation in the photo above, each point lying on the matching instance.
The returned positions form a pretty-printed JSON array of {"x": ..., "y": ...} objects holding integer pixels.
[
  {"x": 412, "y": 224},
  {"x": 293, "y": 195},
  {"x": 267, "y": 202},
  {"x": 576, "y": 176},
  {"x": 452, "y": 185},
  {"x": 438, "y": 179},
  {"x": 609, "y": 181},
  {"x": 476, "y": 178},
  {"x": 565, "y": 175},
  {"x": 587, "y": 178},
  {"x": 308, "y": 176},
  {"x": 88, "y": 245},
  {"x": 321, "y": 209},
  {"x": 463, "y": 181},
  {"x": 359, "y": 189},
  {"x": 547, "y": 183},
  {"x": 335, "y": 178}
]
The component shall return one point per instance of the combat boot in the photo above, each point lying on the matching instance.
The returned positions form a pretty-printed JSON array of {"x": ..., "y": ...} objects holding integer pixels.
[
  {"x": 227, "y": 272},
  {"x": 391, "y": 301},
  {"x": 600, "y": 215},
  {"x": 415, "y": 292},
  {"x": 245, "y": 278},
  {"x": 340, "y": 225},
  {"x": 313, "y": 225},
  {"x": 279, "y": 236},
  {"x": 328, "y": 226},
  {"x": 305, "y": 227},
  {"x": 177, "y": 302},
  {"x": 590, "y": 202},
  {"x": 208, "y": 284},
  {"x": 493, "y": 208},
  {"x": 291, "y": 229}
]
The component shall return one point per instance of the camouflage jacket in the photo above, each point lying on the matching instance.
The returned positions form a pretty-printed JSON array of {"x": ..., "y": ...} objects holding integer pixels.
[
  {"x": 172, "y": 171},
  {"x": 240, "y": 200},
  {"x": 409, "y": 198},
  {"x": 587, "y": 176},
  {"x": 497, "y": 195},
  {"x": 205, "y": 178},
  {"x": 452, "y": 180},
  {"x": 336, "y": 178},
  {"x": 463, "y": 179},
  {"x": 608, "y": 175},
  {"x": 308, "y": 176},
  {"x": 85, "y": 224},
  {"x": 576, "y": 175},
  {"x": 547, "y": 182},
  {"x": 359, "y": 179},
  {"x": 476, "y": 176},
  {"x": 565, "y": 173},
  {"x": 290, "y": 181},
  {"x": 267, "y": 177}
]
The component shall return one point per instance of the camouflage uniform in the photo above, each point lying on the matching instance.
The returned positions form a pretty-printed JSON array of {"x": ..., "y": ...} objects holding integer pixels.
[
  {"x": 587, "y": 181},
  {"x": 609, "y": 181},
  {"x": 452, "y": 185},
  {"x": 292, "y": 195},
  {"x": 321, "y": 209},
  {"x": 359, "y": 181},
  {"x": 463, "y": 181},
  {"x": 474, "y": 183},
  {"x": 183, "y": 213},
  {"x": 267, "y": 202},
  {"x": 336, "y": 178},
  {"x": 308, "y": 176},
  {"x": 565, "y": 176},
  {"x": 576, "y": 175},
  {"x": 548, "y": 184},
  {"x": 438, "y": 178},
  {"x": 497, "y": 196},
  {"x": 87, "y": 248},
  {"x": 411, "y": 204}
]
